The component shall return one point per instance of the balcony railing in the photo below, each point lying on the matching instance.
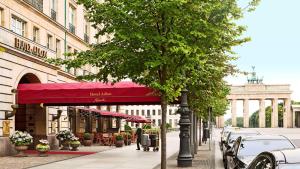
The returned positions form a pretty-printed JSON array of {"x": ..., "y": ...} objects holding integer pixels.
[
  {"x": 86, "y": 38},
  {"x": 37, "y": 4},
  {"x": 53, "y": 14},
  {"x": 71, "y": 28}
]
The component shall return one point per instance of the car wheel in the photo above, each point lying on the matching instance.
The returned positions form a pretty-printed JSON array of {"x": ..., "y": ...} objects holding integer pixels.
[{"x": 265, "y": 161}]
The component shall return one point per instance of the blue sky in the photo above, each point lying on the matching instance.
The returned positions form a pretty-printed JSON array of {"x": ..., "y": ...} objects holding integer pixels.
[{"x": 274, "y": 28}]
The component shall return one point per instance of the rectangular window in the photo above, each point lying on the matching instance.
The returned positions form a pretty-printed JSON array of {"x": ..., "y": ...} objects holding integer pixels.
[
  {"x": 148, "y": 113},
  {"x": 170, "y": 122},
  {"x": 36, "y": 34},
  {"x": 137, "y": 112},
  {"x": 57, "y": 48},
  {"x": 153, "y": 112},
  {"x": 159, "y": 122},
  {"x": 37, "y": 4},
  {"x": 72, "y": 18},
  {"x": 132, "y": 112},
  {"x": 170, "y": 111},
  {"x": 159, "y": 112},
  {"x": 143, "y": 112},
  {"x": 49, "y": 41},
  {"x": 127, "y": 111},
  {"x": 1, "y": 17},
  {"x": 53, "y": 9},
  {"x": 18, "y": 26},
  {"x": 86, "y": 30}
]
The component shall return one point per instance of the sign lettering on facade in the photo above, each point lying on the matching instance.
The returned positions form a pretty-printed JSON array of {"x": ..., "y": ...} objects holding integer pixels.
[{"x": 26, "y": 47}]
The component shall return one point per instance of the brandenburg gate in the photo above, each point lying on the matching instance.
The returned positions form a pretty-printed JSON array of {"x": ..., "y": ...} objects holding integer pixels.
[
  {"x": 262, "y": 92},
  {"x": 256, "y": 90}
]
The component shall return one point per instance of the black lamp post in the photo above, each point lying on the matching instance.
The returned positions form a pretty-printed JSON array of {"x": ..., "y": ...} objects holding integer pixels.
[{"x": 184, "y": 157}]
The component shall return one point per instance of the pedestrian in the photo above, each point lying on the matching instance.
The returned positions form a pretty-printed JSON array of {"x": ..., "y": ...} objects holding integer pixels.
[{"x": 138, "y": 135}]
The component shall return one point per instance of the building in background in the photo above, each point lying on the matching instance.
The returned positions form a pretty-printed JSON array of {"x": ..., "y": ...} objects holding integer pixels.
[{"x": 153, "y": 113}]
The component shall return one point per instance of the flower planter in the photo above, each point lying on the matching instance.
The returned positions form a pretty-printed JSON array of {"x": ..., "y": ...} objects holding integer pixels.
[
  {"x": 87, "y": 142},
  {"x": 74, "y": 147},
  {"x": 65, "y": 145},
  {"x": 119, "y": 143},
  {"x": 42, "y": 149},
  {"x": 21, "y": 150}
]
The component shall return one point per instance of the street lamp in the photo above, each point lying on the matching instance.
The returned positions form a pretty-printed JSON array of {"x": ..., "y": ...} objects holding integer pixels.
[{"x": 184, "y": 158}]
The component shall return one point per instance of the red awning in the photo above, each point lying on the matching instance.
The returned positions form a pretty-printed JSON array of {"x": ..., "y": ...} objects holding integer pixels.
[
  {"x": 137, "y": 119},
  {"x": 121, "y": 93}
]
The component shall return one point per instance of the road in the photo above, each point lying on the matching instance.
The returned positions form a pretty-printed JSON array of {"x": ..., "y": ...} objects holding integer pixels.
[{"x": 292, "y": 133}]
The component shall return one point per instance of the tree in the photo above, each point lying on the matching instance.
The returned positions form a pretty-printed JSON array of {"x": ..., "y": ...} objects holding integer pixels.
[
  {"x": 162, "y": 44},
  {"x": 239, "y": 122}
]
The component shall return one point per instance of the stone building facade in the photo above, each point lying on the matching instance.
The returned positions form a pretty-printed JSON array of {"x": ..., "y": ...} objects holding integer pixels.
[
  {"x": 30, "y": 32},
  {"x": 153, "y": 113}
]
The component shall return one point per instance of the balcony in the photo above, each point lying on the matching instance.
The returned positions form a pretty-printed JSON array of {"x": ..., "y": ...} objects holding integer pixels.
[
  {"x": 53, "y": 14},
  {"x": 71, "y": 28},
  {"x": 37, "y": 4},
  {"x": 86, "y": 38}
]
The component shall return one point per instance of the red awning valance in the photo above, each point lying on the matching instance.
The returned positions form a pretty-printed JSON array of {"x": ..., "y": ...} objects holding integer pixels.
[
  {"x": 137, "y": 119},
  {"x": 88, "y": 93},
  {"x": 129, "y": 118}
]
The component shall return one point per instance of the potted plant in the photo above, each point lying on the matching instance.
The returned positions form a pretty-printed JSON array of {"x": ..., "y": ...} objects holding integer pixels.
[
  {"x": 21, "y": 140},
  {"x": 43, "y": 147},
  {"x": 64, "y": 137},
  {"x": 127, "y": 138},
  {"x": 87, "y": 141},
  {"x": 74, "y": 143},
  {"x": 119, "y": 140}
]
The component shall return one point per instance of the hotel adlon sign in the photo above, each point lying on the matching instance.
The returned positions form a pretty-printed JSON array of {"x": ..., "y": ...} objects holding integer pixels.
[{"x": 29, "y": 48}]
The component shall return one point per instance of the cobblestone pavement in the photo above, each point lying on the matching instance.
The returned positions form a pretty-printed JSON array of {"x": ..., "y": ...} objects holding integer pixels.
[
  {"x": 32, "y": 160},
  {"x": 202, "y": 160}
]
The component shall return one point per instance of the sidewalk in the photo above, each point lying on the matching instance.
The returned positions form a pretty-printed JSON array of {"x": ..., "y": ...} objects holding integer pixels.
[
  {"x": 120, "y": 158},
  {"x": 204, "y": 159}
]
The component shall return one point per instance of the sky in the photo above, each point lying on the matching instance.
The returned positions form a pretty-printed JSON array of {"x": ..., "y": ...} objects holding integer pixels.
[{"x": 274, "y": 28}]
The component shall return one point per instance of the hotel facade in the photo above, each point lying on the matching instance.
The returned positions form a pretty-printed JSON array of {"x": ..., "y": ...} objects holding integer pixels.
[{"x": 30, "y": 32}]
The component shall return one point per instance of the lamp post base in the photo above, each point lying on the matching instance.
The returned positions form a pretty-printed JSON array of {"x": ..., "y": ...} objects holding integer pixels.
[{"x": 184, "y": 162}]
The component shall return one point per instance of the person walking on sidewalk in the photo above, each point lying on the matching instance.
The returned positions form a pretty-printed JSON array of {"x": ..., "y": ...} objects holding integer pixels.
[{"x": 138, "y": 134}]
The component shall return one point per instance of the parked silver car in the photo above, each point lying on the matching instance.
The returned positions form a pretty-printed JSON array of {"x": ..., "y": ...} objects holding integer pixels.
[
  {"x": 232, "y": 136},
  {"x": 283, "y": 159},
  {"x": 246, "y": 149}
]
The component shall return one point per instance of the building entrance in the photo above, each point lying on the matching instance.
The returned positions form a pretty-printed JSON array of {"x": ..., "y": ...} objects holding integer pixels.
[{"x": 31, "y": 117}]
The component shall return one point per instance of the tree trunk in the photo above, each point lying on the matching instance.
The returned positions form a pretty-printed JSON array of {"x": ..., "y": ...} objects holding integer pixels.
[
  {"x": 163, "y": 133},
  {"x": 195, "y": 134},
  {"x": 192, "y": 133},
  {"x": 200, "y": 140}
]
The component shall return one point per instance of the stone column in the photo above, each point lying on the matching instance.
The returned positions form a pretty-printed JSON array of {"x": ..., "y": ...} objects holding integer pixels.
[
  {"x": 274, "y": 115},
  {"x": 233, "y": 112},
  {"x": 246, "y": 113},
  {"x": 262, "y": 113},
  {"x": 287, "y": 117}
]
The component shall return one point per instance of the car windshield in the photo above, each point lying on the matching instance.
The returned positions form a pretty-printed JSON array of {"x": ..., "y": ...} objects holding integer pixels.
[
  {"x": 254, "y": 147},
  {"x": 234, "y": 136}
]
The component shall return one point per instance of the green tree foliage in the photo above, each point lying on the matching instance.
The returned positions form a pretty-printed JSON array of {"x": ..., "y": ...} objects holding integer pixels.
[
  {"x": 166, "y": 45},
  {"x": 239, "y": 122}
]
